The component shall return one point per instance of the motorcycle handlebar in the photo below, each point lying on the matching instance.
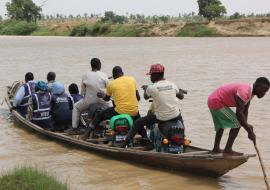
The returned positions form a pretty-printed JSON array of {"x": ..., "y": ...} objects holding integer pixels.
[
  {"x": 144, "y": 87},
  {"x": 183, "y": 91}
]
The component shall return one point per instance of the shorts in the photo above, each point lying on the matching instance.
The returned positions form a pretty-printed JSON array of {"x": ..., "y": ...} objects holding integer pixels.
[{"x": 224, "y": 118}]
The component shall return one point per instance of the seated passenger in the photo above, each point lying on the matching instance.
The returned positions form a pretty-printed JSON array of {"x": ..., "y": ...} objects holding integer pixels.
[
  {"x": 74, "y": 94},
  {"x": 52, "y": 82},
  {"x": 92, "y": 82},
  {"x": 124, "y": 91},
  {"x": 40, "y": 106},
  {"x": 20, "y": 102},
  {"x": 60, "y": 108},
  {"x": 165, "y": 103}
]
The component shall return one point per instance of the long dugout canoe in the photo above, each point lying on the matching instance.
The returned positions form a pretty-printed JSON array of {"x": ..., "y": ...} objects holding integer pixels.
[{"x": 195, "y": 160}]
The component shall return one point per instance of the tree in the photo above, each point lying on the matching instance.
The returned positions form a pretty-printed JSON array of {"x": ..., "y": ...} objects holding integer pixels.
[
  {"x": 23, "y": 10},
  {"x": 211, "y": 9},
  {"x": 164, "y": 19},
  {"x": 108, "y": 16},
  {"x": 236, "y": 15},
  {"x": 85, "y": 15}
]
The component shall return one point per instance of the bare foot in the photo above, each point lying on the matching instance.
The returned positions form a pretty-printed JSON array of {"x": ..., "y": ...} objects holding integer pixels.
[
  {"x": 217, "y": 151},
  {"x": 232, "y": 153},
  {"x": 83, "y": 137}
]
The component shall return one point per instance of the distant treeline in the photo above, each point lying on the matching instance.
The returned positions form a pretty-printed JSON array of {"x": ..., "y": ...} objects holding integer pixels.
[
  {"x": 26, "y": 18},
  {"x": 28, "y": 11},
  {"x": 112, "y": 17}
]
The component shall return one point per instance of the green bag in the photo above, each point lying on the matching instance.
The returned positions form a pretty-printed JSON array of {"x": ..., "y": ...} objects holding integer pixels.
[{"x": 121, "y": 120}]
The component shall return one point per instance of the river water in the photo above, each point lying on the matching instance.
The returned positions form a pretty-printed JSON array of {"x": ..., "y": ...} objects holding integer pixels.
[{"x": 196, "y": 64}]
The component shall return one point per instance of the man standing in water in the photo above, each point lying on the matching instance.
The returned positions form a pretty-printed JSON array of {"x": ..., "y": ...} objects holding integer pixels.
[{"x": 234, "y": 95}]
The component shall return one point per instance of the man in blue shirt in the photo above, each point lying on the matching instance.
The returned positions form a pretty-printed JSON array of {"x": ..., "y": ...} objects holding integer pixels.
[
  {"x": 20, "y": 102},
  {"x": 52, "y": 83}
]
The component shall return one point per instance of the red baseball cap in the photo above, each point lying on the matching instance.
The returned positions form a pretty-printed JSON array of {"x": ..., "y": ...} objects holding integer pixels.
[{"x": 156, "y": 68}]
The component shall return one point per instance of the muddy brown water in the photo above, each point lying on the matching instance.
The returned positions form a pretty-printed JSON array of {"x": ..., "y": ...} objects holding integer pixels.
[{"x": 196, "y": 64}]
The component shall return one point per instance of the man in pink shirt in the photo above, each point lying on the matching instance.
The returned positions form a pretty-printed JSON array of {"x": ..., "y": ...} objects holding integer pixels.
[{"x": 234, "y": 95}]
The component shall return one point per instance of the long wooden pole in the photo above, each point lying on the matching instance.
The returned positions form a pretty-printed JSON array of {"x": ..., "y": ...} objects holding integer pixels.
[{"x": 264, "y": 173}]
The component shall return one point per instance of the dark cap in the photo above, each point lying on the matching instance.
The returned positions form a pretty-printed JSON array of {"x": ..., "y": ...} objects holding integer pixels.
[{"x": 42, "y": 86}]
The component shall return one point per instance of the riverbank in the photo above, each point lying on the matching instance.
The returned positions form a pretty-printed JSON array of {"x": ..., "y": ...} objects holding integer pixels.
[
  {"x": 27, "y": 178},
  {"x": 236, "y": 27}
]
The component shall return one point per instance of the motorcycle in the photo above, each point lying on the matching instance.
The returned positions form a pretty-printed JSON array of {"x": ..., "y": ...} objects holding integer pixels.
[
  {"x": 119, "y": 127},
  {"x": 168, "y": 136},
  {"x": 86, "y": 118}
]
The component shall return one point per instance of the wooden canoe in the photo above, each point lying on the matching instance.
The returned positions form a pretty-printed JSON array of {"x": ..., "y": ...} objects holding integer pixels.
[{"x": 195, "y": 160}]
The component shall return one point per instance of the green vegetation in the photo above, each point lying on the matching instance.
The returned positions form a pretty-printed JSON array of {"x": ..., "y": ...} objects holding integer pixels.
[
  {"x": 80, "y": 30},
  {"x": 17, "y": 27},
  {"x": 25, "y": 18},
  {"x": 27, "y": 178},
  {"x": 97, "y": 29},
  {"x": 198, "y": 30},
  {"x": 211, "y": 9},
  {"x": 109, "y": 29},
  {"x": 110, "y": 16},
  {"x": 43, "y": 31},
  {"x": 128, "y": 31},
  {"x": 23, "y": 10}
]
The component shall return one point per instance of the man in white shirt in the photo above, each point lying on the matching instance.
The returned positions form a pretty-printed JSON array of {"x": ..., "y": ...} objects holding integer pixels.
[
  {"x": 165, "y": 95},
  {"x": 93, "y": 82}
]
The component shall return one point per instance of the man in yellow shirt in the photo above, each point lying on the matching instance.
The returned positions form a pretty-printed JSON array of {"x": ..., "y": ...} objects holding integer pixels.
[{"x": 124, "y": 91}]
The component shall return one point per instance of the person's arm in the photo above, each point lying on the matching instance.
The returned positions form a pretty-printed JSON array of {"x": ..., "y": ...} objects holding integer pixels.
[
  {"x": 104, "y": 96},
  {"x": 246, "y": 110},
  {"x": 107, "y": 98},
  {"x": 70, "y": 102},
  {"x": 30, "y": 109},
  {"x": 241, "y": 114},
  {"x": 145, "y": 95},
  {"x": 138, "y": 96},
  {"x": 53, "y": 103},
  {"x": 180, "y": 95},
  {"x": 83, "y": 89},
  {"x": 18, "y": 97}
]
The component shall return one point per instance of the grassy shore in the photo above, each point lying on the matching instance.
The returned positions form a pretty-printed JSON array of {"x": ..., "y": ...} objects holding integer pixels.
[
  {"x": 218, "y": 28},
  {"x": 198, "y": 30},
  {"x": 27, "y": 178}
]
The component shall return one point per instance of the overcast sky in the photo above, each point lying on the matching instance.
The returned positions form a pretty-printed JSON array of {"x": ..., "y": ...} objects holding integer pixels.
[{"x": 147, "y": 7}]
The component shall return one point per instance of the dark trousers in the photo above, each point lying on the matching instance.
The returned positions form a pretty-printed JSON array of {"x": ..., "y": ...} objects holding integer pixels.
[
  {"x": 108, "y": 114},
  {"x": 45, "y": 124},
  {"x": 148, "y": 120},
  {"x": 22, "y": 110}
]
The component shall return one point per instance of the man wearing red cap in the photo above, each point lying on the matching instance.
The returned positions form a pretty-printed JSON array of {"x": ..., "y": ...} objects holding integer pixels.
[{"x": 165, "y": 95}]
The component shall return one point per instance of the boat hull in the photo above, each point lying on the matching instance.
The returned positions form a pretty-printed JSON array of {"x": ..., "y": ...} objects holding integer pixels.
[{"x": 197, "y": 161}]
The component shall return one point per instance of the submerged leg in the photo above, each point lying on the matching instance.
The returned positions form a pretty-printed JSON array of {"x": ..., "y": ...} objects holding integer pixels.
[
  {"x": 228, "y": 148},
  {"x": 218, "y": 137}
]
